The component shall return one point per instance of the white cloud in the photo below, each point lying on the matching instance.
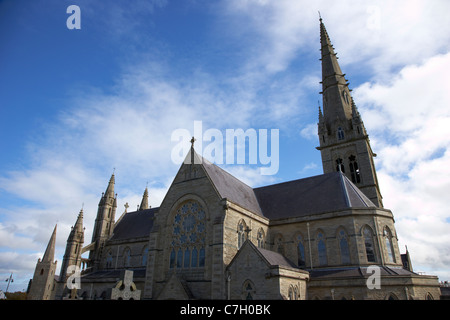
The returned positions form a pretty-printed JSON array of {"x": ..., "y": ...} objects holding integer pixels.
[
  {"x": 307, "y": 167},
  {"x": 381, "y": 35},
  {"x": 405, "y": 113},
  {"x": 250, "y": 176},
  {"x": 409, "y": 123},
  {"x": 309, "y": 131}
]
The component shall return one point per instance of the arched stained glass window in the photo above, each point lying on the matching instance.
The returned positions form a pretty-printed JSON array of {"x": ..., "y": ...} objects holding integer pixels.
[
  {"x": 368, "y": 242},
  {"x": 201, "y": 258},
  {"x": 188, "y": 237},
  {"x": 194, "y": 261},
  {"x": 322, "y": 249},
  {"x": 301, "y": 262},
  {"x": 388, "y": 241},
  {"x": 343, "y": 246}
]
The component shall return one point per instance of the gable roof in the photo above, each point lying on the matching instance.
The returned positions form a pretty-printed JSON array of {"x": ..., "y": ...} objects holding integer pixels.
[
  {"x": 230, "y": 187},
  {"x": 313, "y": 195},
  {"x": 135, "y": 224},
  {"x": 318, "y": 194},
  {"x": 271, "y": 258},
  {"x": 276, "y": 259}
]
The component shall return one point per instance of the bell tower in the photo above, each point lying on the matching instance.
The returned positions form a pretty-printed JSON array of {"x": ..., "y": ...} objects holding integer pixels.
[{"x": 344, "y": 142}]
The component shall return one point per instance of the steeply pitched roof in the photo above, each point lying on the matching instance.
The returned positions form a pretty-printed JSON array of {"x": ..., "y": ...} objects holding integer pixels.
[
  {"x": 271, "y": 258},
  {"x": 276, "y": 259},
  {"x": 358, "y": 272},
  {"x": 313, "y": 195},
  {"x": 318, "y": 194},
  {"x": 134, "y": 224},
  {"x": 230, "y": 187}
]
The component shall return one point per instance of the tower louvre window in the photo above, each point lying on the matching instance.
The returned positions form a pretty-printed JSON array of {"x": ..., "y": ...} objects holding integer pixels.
[
  {"x": 340, "y": 165},
  {"x": 354, "y": 170}
]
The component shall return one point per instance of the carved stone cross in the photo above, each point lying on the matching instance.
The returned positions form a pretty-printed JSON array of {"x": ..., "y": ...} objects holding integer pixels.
[{"x": 125, "y": 289}]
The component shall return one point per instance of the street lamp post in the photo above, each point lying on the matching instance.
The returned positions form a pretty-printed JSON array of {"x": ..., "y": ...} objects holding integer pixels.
[{"x": 9, "y": 280}]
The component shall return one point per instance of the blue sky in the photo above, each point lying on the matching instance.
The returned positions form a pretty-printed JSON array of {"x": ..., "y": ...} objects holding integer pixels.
[{"x": 75, "y": 104}]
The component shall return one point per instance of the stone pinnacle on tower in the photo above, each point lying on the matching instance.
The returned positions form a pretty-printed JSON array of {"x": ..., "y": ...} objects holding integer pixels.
[{"x": 144, "y": 202}]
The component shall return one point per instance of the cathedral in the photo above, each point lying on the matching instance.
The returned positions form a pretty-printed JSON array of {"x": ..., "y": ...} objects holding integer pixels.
[{"x": 213, "y": 237}]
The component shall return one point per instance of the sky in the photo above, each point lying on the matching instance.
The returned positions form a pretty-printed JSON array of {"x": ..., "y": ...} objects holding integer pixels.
[{"x": 77, "y": 105}]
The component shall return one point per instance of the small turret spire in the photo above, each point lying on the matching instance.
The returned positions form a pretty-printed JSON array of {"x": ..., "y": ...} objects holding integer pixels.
[
  {"x": 49, "y": 254},
  {"x": 144, "y": 203},
  {"x": 110, "y": 189}
]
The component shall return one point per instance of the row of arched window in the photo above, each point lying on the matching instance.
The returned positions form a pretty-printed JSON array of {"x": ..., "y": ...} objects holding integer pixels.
[
  {"x": 125, "y": 261},
  {"x": 319, "y": 245}
]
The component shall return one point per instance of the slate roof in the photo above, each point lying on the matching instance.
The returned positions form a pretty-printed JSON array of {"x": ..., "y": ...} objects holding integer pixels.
[
  {"x": 323, "y": 193},
  {"x": 275, "y": 258},
  {"x": 359, "y": 272},
  {"x": 314, "y": 195},
  {"x": 318, "y": 194},
  {"x": 112, "y": 274},
  {"x": 230, "y": 187},
  {"x": 134, "y": 224}
]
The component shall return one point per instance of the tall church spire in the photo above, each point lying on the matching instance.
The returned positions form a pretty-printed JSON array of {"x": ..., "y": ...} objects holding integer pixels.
[
  {"x": 42, "y": 285},
  {"x": 49, "y": 254},
  {"x": 344, "y": 143},
  {"x": 335, "y": 91}
]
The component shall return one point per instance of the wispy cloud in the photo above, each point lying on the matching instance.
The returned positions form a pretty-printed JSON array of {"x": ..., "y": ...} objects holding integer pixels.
[{"x": 128, "y": 126}]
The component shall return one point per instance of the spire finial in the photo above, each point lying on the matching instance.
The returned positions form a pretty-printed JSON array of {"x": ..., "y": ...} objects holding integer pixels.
[
  {"x": 320, "y": 17},
  {"x": 192, "y": 142}
]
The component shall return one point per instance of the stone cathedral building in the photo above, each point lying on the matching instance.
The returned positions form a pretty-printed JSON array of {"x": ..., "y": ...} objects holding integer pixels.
[{"x": 214, "y": 237}]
